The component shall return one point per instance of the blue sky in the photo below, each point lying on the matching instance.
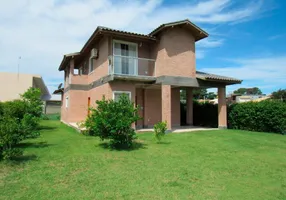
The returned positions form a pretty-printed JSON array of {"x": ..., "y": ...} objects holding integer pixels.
[{"x": 247, "y": 38}]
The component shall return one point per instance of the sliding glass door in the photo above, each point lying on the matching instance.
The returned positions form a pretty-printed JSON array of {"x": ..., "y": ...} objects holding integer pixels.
[{"x": 125, "y": 58}]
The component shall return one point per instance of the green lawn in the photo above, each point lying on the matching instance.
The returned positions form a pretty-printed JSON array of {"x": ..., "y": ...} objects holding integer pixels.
[{"x": 223, "y": 164}]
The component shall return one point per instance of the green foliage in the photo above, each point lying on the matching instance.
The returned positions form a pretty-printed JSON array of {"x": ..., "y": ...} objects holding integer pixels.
[
  {"x": 55, "y": 116},
  {"x": 19, "y": 120},
  {"x": 248, "y": 91},
  {"x": 112, "y": 120},
  {"x": 264, "y": 116},
  {"x": 160, "y": 130},
  {"x": 199, "y": 93},
  {"x": 279, "y": 95}
]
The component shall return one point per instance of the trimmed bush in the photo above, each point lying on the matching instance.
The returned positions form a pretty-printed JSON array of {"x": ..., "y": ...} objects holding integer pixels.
[
  {"x": 112, "y": 120},
  {"x": 160, "y": 130},
  {"x": 264, "y": 116}
]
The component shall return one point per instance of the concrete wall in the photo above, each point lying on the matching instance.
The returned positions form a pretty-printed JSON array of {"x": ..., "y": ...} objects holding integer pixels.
[
  {"x": 175, "y": 53},
  {"x": 11, "y": 87}
]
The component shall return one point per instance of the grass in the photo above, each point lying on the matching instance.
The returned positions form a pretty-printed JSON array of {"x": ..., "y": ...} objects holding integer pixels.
[{"x": 223, "y": 164}]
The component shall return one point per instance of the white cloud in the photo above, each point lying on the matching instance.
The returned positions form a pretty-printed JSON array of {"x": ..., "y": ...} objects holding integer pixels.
[
  {"x": 209, "y": 43},
  {"x": 42, "y": 31},
  {"x": 266, "y": 73},
  {"x": 278, "y": 36}
]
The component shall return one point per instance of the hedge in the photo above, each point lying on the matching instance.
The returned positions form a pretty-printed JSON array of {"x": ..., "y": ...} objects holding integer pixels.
[{"x": 264, "y": 116}]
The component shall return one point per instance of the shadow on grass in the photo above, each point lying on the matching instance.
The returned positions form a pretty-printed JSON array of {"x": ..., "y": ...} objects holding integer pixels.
[
  {"x": 48, "y": 128},
  {"x": 164, "y": 142},
  {"x": 34, "y": 145},
  {"x": 22, "y": 159},
  {"x": 135, "y": 146}
]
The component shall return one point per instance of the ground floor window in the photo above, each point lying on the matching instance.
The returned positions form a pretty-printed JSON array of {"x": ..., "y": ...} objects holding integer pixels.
[
  {"x": 117, "y": 94},
  {"x": 67, "y": 102}
]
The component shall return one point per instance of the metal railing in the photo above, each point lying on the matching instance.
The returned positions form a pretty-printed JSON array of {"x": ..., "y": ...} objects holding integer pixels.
[{"x": 133, "y": 66}]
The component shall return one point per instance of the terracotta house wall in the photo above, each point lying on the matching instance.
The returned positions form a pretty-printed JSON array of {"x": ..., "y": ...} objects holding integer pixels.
[
  {"x": 140, "y": 102},
  {"x": 64, "y": 111},
  {"x": 98, "y": 93},
  {"x": 101, "y": 63},
  {"x": 77, "y": 108},
  {"x": 153, "y": 107},
  {"x": 175, "y": 53},
  {"x": 123, "y": 86}
]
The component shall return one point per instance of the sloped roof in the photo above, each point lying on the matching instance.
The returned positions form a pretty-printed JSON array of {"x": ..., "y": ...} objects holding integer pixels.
[
  {"x": 198, "y": 32},
  {"x": 214, "y": 77}
]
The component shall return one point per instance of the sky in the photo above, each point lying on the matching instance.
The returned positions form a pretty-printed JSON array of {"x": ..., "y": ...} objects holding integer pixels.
[{"x": 247, "y": 38}]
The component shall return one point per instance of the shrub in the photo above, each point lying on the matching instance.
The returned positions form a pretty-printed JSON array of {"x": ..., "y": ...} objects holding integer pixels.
[
  {"x": 19, "y": 120},
  {"x": 112, "y": 120},
  {"x": 264, "y": 116},
  {"x": 160, "y": 130}
]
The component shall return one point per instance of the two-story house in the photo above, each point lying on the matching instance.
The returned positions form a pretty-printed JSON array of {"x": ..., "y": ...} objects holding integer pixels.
[{"x": 151, "y": 69}]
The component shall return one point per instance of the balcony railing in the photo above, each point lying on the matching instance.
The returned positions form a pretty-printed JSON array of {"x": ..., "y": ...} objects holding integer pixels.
[{"x": 132, "y": 66}]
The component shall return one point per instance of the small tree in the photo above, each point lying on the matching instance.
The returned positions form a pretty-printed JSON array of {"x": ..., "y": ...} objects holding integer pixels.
[
  {"x": 19, "y": 120},
  {"x": 280, "y": 95},
  {"x": 112, "y": 120},
  {"x": 160, "y": 130}
]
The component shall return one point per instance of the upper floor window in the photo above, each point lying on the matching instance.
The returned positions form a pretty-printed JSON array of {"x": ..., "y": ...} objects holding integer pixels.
[
  {"x": 91, "y": 65},
  {"x": 125, "y": 57}
]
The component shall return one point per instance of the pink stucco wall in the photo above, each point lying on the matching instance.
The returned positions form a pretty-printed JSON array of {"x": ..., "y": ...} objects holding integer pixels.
[
  {"x": 152, "y": 108},
  {"x": 77, "y": 106},
  {"x": 175, "y": 53},
  {"x": 101, "y": 63}
]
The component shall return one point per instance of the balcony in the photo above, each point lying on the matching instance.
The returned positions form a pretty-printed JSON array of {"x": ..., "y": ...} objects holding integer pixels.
[{"x": 131, "y": 66}]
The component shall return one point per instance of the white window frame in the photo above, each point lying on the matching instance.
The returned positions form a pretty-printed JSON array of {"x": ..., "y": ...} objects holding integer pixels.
[
  {"x": 121, "y": 92},
  {"x": 67, "y": 101},
  {"x": 136, "y": 55}
]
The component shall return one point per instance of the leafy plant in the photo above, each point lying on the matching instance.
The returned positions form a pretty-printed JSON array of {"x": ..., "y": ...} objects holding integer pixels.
[
  {"x": 19, "y": 120},
  {"x": 112, "y": 120},
  {"x": 264, "y": 116},
  {"x": 160, "y": 130}
]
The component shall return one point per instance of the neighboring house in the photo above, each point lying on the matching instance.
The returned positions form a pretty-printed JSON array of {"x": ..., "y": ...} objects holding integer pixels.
[
  {"x": 246, "y": 98},
  {"x": 151, "y": 69},
  {"x": 239, "y": 98},
  {"x": 53, "y": 104},
  {"x": 12, "y": 85}
]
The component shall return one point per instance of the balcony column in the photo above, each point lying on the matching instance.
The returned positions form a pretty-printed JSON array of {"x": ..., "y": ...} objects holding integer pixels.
[
  {"x": 71, "y": 70},
  {"x": 189, "y": 102},
  {"x": 222, "y": 110},
  {"x": 166, "y": 105}
]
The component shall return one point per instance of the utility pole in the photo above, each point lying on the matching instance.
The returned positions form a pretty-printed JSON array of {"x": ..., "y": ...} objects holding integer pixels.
[{"x": 18, "y": 67}]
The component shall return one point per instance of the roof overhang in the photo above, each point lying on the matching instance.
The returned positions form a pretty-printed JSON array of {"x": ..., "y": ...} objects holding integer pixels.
[
  {"x": 39, "y": 83},
  {"x": 217, "y": 78},
  {"x": 197, "y": 32},
  {"x": 67, "y": 58}
]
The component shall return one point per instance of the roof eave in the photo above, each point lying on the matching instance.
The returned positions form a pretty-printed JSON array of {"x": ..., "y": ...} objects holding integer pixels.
[{"x": 161, "y": 27}]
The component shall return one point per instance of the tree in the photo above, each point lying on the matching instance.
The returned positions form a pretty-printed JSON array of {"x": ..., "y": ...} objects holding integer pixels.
[
  {"x": 248, "y": 91},
  {"x": 279, "y": 94},
  {"x": 199, "y": 94},
  {"x": 211, "y": 95},
  {"x": 112, "y": 120}
]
